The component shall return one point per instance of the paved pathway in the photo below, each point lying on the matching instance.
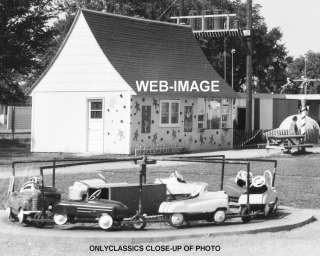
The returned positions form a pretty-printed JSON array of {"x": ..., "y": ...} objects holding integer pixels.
[{"x": 31, "y": 241}]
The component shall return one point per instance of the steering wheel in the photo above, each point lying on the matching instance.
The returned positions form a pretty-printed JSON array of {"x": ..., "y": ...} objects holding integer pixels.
[
  {"x": 269, "y": 177},
  {"x": 258, "y": 181},
  {"x": 94, "y": 195},
  {"x": 179, "y": 177}
]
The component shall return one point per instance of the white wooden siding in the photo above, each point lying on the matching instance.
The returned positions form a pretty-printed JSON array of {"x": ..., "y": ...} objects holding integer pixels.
[
  {"x": 266, "y": 113},
  {"x": 60, "y": 120},
  {"x": 60, "y": 100}
]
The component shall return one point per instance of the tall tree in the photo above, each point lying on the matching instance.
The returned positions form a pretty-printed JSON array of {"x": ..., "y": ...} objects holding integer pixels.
[
  {"x": 25, "y": 35},
  {"x": 269, "y": 54}
]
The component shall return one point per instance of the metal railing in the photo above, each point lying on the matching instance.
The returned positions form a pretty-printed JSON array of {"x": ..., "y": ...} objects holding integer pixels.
[
  {"x": 209, "y": 23},
  {"x": 252, "y": 139},
  {"x": 248, "y": 139},
  {"x": 159, "y": 149}
]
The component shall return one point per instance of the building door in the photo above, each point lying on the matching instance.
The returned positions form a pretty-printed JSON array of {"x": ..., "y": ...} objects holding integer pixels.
[
  {"x": 241, "y": 119},
  {"x": 256, "y": 120},
  {"x": 95, "y": 126}
]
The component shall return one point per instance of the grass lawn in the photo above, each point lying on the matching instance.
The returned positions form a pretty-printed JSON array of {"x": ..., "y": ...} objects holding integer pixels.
[
  {"x": 19, "y": 150},
  {"x": 297, "y": 179}
]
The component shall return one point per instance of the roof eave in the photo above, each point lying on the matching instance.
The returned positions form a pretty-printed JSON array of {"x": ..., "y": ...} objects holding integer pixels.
[{"x": 29, "y": 91}]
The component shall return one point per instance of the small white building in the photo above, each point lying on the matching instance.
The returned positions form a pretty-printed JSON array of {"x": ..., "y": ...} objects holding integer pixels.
[{"x": 88, "y": 101}]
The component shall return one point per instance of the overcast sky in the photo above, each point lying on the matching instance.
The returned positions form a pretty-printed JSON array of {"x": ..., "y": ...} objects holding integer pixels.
[{"x": 299, "y": 22}]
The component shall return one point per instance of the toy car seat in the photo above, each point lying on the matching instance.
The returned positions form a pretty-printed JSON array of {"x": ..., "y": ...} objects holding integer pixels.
[
  {"x": 241, "y": 178},
  {"x": 77, "y": 191},
  {"x": 258, "y": 185},
  {"x": 32, "y": 184},
  {"x": 179, "y": 177}
]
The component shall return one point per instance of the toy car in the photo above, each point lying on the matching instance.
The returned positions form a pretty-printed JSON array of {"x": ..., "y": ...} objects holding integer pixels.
[
  {"x": 248, "y": 196},
  {"x": 109, "y": 204},
  {"x": 201, "y": 205},
  {"x": 91, "y": 209},
  {"x": 32, "y": 203},
  {"x": 262, "y": 196},
  {"x": 177, "y": 187}
]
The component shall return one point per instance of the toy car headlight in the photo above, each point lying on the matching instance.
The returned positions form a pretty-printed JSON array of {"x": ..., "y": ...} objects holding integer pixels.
[{"x": 26, "y": 203}]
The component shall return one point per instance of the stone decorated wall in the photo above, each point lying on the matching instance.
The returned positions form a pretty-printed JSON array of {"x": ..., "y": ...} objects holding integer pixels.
[
  {"x": 117, "y": 123},
  {"x": 189, "y": 137}
]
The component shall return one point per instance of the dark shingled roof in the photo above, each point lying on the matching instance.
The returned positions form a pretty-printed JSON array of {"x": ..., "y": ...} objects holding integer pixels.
[{"x": 142, "y": 49}]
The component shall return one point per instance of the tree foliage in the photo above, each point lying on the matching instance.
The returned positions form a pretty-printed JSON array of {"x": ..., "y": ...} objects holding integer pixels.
[
  {"x": 269, "y": 54},
  {"x": 311, "y": 61},
  {"x": 24, "y": 25},
  {"x": 24, "y": 37}
]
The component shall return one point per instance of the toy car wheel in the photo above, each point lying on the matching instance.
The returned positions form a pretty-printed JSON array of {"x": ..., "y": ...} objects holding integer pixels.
[
  {"x": 267, "y": 210},
  {"x": 39, "y": 220},
  {"x": 275, "y": 206},
  {"x": 21, "y": 216},
  {"x": 244, "y": 212},
  {"x": 139, "y": 223},
  {"x": 105, "y": 221},
  {"x": 219, "y": 216},
  {"x": 10, "y": 215},
  {"x": 60, "y": 219},
  {"x": 176, "y": 219}
]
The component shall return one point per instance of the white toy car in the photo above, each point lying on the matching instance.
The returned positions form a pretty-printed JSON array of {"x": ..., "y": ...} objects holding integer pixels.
[
  {"x": 178, "y": 188},
  {"x": 201, "y": 205},
  {"x": 262, "y": 197}
]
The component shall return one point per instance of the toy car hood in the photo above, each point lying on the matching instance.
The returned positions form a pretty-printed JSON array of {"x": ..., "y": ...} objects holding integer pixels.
[
  {"x": 204, "y": 202},
  {"x": 176, "y": 187}
]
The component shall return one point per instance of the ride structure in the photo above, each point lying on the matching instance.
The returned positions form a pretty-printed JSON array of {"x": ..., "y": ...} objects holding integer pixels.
[{"x": 117, "y": 205}]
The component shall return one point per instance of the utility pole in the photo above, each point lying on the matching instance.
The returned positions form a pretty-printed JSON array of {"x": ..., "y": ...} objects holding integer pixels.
[
  {"x": 233, "y": 51},
  {"x": 225, "y": 58},
  {"x": 304, "y": 109},
  {"x": 182, "y": 8},
  {"x": 249, "y": 67}
]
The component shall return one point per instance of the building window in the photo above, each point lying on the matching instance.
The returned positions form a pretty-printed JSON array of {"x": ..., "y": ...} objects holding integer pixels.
[
  {"x": 146, "y": 119},
  {"x": 169, "y": 112},
  {"x": 96, "y": 109},
  {"x": 213, "y": 114},
  {"x": 201, "y": 121}
]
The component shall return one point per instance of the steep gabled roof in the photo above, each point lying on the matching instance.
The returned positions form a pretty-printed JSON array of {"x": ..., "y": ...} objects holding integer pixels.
[{"x": 142, "y": 49}]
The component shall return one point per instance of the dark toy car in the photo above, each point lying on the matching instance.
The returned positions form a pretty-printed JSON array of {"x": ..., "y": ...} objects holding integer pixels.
[
  {"x": 32, "y": 203},
  {"x": 38, "y": 204},
  {"x": 94, "y": 200},
  {"x": 106, "y": 212}
]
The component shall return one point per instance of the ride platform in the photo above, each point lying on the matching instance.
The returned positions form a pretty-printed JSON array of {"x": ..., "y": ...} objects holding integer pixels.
[{"x": 286, "y": 219}]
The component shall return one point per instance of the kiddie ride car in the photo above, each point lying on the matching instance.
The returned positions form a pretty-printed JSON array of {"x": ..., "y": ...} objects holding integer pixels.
[
  {"x": 262, "y": 195},
  {"x": 256, "y": 195},
  {"x": 33, "y": 202},
  {"x": 171, "y": 200},
  {"x": 191, "y": 201},
  {"x": 38, "y": 204}
]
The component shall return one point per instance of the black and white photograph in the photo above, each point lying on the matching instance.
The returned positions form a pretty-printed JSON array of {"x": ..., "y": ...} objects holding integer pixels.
[{"x": 159, "y": 127}]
